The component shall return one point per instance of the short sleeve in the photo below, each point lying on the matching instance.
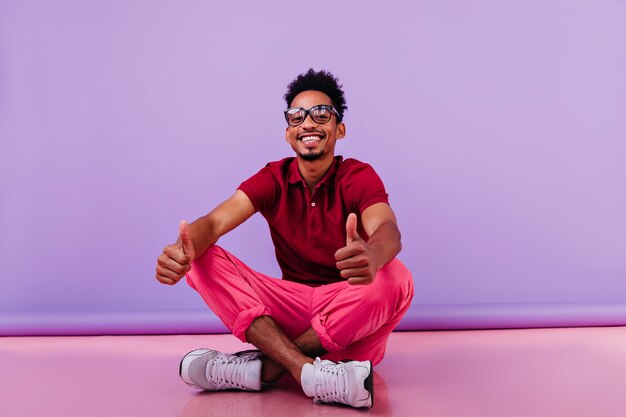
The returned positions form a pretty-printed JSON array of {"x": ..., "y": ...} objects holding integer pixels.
[
  {"x": 262, "y": 189},
  {"x": 364, "y": 187}
]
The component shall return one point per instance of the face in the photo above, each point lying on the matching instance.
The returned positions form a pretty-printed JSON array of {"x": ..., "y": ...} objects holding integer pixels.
[{"x": 313, "y": 141}]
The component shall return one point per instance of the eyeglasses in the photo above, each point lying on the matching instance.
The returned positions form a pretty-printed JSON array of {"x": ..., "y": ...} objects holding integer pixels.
[{"x": 321, "y": 114}]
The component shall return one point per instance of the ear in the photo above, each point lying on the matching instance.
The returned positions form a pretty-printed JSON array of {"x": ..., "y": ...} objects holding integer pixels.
[
  {"x": 341, "y": 131},
  {"x": 287, "y": 134}
]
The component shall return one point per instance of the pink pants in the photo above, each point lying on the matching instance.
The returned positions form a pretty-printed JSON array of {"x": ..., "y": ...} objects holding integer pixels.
[{"x": 351, "y": 321}]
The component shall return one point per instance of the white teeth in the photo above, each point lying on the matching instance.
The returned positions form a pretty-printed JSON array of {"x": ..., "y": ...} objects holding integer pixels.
[{"x": 310, "y": 138}]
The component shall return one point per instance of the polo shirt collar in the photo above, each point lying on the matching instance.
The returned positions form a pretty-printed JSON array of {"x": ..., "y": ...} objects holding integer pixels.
[{"x": 328, "y": 179}]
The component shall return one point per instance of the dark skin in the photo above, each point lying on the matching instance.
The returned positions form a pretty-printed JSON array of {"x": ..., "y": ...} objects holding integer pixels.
[{"x": 358, "y": 261}]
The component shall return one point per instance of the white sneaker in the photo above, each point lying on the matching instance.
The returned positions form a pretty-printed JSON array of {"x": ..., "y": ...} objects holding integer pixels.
[
  {"x": 350, "y": 383},
  {"x": 215, "y": 371}
]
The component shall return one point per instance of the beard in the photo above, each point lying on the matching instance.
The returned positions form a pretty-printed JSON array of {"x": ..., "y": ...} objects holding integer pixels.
[{"x": 313, "y": 156}]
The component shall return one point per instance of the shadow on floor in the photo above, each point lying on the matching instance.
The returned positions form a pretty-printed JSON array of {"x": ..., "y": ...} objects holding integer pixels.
[{"x": 286, "y": 399}]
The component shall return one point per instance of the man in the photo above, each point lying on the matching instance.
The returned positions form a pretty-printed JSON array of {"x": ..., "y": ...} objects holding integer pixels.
[{"x": 336, "y": 238}]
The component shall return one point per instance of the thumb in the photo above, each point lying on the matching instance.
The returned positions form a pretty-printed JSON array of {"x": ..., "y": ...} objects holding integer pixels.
[
  {"x": 185, "y": 240},
  {"x": 351, "y": 233}
]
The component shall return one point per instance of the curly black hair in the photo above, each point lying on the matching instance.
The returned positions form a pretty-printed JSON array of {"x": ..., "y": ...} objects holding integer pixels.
[{"x": 322, "y": 81}]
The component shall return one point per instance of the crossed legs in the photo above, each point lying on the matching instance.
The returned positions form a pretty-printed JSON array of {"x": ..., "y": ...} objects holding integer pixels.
[
  {"x": 292, "y": 323},
  {"x": 282, "y": 354}
]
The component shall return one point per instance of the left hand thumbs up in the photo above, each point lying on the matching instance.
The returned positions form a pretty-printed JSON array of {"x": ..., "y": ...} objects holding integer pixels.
[
  {"x": 356, "y": 261},
  {"x": 351, "y": 233}
]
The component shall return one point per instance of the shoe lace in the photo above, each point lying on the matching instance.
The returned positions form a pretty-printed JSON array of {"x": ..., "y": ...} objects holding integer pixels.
[
  {"x": 227, "y": 372},
  {"x": 331, "y": 383}
]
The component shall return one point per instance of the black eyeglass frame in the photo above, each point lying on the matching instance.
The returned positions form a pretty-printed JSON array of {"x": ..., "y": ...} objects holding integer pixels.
[{"x": 308, "y": 113}]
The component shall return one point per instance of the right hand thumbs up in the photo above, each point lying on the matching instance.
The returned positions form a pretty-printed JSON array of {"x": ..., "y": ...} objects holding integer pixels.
[
  {"x": 175, "y": 261},
  {"x": 185, "y": 241}
]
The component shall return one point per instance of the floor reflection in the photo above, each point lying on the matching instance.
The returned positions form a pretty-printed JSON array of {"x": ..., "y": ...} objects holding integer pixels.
[{"x": 286, "y": 399}]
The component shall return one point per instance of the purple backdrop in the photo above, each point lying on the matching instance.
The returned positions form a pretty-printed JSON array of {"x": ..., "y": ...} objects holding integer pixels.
[{"x": 498, "y": 127}]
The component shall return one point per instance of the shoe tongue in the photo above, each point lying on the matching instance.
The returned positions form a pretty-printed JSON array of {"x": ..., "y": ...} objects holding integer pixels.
[{"x": 307, "y": 379}]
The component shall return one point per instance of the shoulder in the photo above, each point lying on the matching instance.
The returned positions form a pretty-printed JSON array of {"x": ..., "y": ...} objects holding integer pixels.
[
  {"x": 278, "y": 169},
  {"x": 360, "y": 185},
  {"x": 281, "y": 163},
  {"x": 264, "y": 188},
  {"x": 274, "y": 171},
  {"x": 351, "y": 168}
]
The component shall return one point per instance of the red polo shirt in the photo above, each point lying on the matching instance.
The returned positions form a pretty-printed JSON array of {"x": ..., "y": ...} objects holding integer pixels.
[{"x": 307, "y": 229}]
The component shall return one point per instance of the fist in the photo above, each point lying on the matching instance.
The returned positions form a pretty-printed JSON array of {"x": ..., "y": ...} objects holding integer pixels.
[
  {"x": 356, "y": 261},
  {"x": 176, "y": 259}
]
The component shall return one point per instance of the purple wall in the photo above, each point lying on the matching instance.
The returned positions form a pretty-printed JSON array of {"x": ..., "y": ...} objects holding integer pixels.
[{"x": 499, "y": 129}]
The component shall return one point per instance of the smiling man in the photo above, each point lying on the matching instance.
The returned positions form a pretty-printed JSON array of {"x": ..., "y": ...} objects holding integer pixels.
[{"x": 336, "y": 237}]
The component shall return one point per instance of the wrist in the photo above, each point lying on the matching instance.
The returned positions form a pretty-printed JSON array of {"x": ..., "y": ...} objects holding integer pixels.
[{"x": 377, "y": 257}]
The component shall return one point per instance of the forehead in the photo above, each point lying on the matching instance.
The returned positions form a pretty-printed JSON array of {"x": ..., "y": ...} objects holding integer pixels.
[{"x": 308, "y": 99}]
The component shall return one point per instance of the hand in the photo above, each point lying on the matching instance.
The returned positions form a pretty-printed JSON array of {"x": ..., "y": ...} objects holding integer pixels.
[
  {"x": 356, "y": 261},
  {"x": 176, "y": 259}
]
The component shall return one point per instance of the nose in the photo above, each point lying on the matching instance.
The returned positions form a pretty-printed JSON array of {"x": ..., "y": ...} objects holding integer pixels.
[{"x": 308, "y": 123}]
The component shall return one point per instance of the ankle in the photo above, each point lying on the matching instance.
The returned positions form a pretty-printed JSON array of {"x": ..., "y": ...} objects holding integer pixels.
[
  {"x": 271, "y": 372},
  {"x": 297, "y": 373}
]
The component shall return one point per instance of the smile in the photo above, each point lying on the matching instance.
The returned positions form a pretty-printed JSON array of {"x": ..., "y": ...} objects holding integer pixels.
[{"x": 310, "y": 138}]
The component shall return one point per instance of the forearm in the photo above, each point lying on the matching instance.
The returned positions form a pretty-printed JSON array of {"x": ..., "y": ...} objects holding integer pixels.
[
  {"x": 385, "y": 242},
  {"x": 203, "y": 233}
]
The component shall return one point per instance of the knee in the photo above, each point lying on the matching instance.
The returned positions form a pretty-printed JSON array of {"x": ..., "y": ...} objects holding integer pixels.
[
  {"x": 396, "y": 281},
  {"x": 213, "y": 250},
  {"x": 210, "y": 256},
  {"x": 206, "y": 264}
]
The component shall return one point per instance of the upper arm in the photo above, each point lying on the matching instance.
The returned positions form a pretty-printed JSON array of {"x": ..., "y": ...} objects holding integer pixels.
[
  {"x": 376, "y": 215},
  {"x": 230, "y": 214}
]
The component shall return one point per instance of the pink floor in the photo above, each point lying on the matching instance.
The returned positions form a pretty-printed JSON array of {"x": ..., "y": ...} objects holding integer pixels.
[{"x": 505, "y": 373}]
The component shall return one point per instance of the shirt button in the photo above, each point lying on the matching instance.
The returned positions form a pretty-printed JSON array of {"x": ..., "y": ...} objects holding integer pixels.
[{"x": 313, "y": 204}]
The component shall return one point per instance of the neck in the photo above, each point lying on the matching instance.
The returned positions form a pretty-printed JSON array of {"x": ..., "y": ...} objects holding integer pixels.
[{"x": 314, "y": 171}]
